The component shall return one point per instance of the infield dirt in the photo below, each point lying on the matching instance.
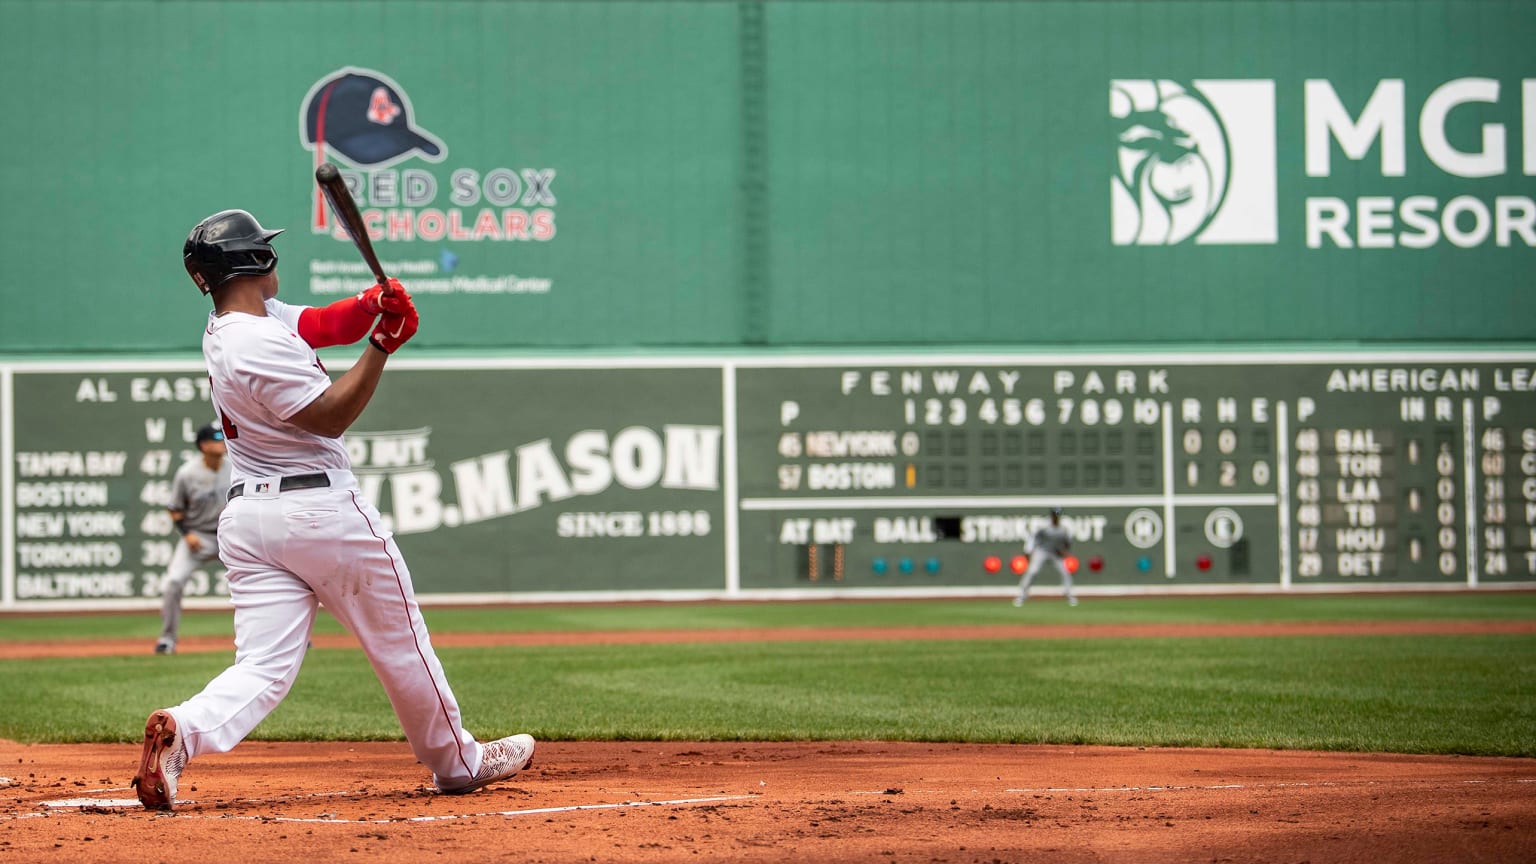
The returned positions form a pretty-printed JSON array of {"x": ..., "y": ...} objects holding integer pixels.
[{"x": 770, "y": 802}]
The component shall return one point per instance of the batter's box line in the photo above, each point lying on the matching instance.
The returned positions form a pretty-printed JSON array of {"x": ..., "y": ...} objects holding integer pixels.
[
  {"x": 76, "y": 803},
  {"x": 535, "y": 811},
  {"x": 1221, "y": 787}
]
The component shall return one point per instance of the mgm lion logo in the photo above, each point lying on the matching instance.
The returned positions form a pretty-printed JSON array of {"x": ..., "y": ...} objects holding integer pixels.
[{"x": 1193, "y": 160}]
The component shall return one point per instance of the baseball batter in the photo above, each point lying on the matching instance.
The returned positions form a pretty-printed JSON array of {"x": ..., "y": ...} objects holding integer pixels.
[
  {"x": 297, "y": 532},
  {"x": 198, "y": 492},
  {"x": 1049, "y": 546}
]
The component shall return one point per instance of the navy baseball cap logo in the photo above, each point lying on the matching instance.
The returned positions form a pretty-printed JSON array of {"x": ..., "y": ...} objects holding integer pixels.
[{"x": 364, "y": 117}]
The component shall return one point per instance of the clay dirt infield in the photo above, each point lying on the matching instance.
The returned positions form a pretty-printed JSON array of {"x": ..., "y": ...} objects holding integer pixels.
[
  {"x": 845, "y": 801},
  {"x": 769, "y": 802}
]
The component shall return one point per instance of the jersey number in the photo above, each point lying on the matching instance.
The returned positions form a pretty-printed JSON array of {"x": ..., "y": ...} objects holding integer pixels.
[{"x": 231, "y": 431}]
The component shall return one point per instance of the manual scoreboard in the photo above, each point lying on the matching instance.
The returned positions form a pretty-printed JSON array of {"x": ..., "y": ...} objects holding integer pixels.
[{"x": 1245, "y": 471}]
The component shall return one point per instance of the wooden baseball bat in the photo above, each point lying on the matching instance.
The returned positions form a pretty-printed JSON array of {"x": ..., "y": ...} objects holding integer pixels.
[{"x": 335, "y": 190}]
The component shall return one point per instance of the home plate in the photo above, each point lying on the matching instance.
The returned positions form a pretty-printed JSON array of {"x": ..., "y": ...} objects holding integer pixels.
[{"x": 96, "y": 802}]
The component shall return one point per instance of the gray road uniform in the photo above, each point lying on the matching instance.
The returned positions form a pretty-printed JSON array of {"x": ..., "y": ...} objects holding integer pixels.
[
  {"x": 199, "y": 494},
  {"x": 1049, "y": 546}
]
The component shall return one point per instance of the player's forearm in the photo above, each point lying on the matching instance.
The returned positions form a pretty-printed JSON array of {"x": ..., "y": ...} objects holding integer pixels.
[
  {"x": 340, "y": 323},
  {"x": 334, "y": 411}
]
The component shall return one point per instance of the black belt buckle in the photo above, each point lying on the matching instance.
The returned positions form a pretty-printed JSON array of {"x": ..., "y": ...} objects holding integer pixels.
[{"x": 318, "y": 480}]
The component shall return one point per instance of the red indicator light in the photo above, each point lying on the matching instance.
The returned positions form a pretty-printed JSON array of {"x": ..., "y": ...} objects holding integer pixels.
[
  {"x": 1095, "y": 563},
  {"x": 1019, "y": 564},
  {"x": 992, "y": 564},
  {"x": 1203, "y": 562},
  {"x": 1071, "y": 563}
]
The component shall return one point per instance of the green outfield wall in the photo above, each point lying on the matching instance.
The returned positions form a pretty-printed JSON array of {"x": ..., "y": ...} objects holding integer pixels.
[
  {"x": 785, "y": 299},
  {"x": 794, "y": 476},
  {"x": 713, "y": 174}
]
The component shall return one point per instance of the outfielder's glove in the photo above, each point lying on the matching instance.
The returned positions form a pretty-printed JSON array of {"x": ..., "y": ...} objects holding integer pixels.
[{"x": 398, "y": 323}]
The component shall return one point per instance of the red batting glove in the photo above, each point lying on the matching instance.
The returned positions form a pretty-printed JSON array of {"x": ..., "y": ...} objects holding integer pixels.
[
  {"x": 397, "y": 303},
  {"x": 395, "y": 329},
  {"x": 374, "y": 302}
]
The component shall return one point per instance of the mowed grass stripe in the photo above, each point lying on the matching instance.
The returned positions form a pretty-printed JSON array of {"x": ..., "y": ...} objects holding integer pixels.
[
  {"x": 1042, "y": 609},
  {"x": 1408, "y": 694}
]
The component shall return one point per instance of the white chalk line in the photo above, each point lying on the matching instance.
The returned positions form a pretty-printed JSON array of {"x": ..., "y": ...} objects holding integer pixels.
[
  {"x": 78, "y": 803},
  {"x": 536, "y": 811},
  {"x": 1220, "y": 787}
]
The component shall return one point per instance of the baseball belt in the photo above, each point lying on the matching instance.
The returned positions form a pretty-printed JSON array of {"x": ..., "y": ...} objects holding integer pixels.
[{"x": 318, "y": 480}]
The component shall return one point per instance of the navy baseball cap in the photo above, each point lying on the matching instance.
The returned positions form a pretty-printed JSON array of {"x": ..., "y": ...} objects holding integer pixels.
[
  {"x": 210, "y": 432},
  {"x": 365, "y": 118}
]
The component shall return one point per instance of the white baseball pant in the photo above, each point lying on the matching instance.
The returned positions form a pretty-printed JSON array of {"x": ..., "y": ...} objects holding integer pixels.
[{"x": 287, "y": 552}]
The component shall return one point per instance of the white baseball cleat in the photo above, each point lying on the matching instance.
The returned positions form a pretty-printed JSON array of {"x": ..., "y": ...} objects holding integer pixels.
[
  {"x": 1018, "y": 601},
  {"x": 165, "y": 754},
  {"x": 499, "y": 760}
]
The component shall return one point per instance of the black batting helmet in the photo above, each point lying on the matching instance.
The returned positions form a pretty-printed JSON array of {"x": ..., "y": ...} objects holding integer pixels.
[{"x": 227, "y": 244}]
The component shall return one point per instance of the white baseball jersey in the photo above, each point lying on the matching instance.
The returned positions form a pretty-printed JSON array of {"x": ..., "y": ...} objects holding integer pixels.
[
  {"x": 262, "y": 374},
  {"x": 287, "y": 551}
]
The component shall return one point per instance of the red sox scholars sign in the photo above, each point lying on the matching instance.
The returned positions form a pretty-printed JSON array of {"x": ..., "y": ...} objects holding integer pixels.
[{"x": 365, "y": 121}]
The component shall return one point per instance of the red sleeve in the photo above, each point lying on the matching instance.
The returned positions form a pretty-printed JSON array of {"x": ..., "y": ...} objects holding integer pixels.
[{"x": 340, "y": 323}]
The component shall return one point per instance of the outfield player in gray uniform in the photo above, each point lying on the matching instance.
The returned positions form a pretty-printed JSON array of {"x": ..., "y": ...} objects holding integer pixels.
[
  {"x": 198, "y": 494},
  {"x": 1050, "y": 545}
]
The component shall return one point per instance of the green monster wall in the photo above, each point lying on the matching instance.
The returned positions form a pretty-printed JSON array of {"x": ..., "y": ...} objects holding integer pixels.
[
  {"x": 793, "y": 477},
  {"x": 783, "y": 299},
  {"x": 701, "y": 174}
]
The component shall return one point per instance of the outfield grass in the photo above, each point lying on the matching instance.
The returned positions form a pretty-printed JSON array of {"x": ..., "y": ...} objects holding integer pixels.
[
  {"x": 1431, "y": 694},
  {"x": 1043, "y": 609}
]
